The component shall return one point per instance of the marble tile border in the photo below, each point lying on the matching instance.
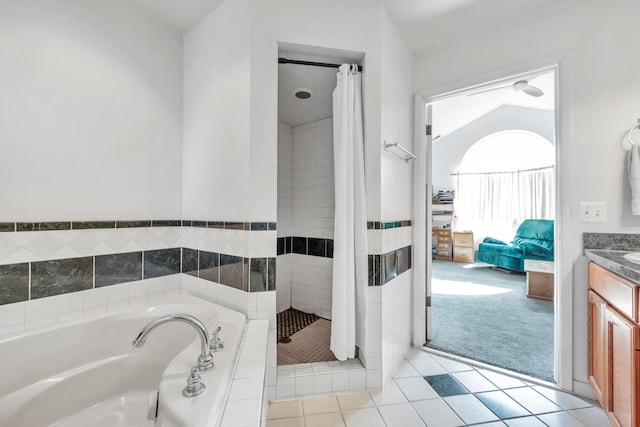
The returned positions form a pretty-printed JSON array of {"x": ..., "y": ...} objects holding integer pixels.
[
  {"x": 311, "y": 246},
  {"x": 19, "y": 226},
  {"x": 385, "y": 225},
  {"x": 38, "y": 279},
  {"x": 386, "y": 267}
]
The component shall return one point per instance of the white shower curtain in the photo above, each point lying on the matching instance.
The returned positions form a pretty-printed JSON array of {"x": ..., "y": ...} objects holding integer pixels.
[{"x": 350, "y": 264}]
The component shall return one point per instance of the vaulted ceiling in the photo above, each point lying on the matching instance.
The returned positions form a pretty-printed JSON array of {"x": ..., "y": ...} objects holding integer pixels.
[{"x": 423, "y": 23}]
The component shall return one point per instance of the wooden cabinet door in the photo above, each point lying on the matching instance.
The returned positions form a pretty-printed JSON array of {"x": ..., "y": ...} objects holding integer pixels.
[
  {"x": 597, "y": 369},
  {"x": 621, "y": 402}
]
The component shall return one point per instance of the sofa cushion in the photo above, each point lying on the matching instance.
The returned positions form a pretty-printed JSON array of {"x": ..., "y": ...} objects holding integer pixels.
[
  {"x": 532, "y": 248},
  {"x": 535, "y": 229}
]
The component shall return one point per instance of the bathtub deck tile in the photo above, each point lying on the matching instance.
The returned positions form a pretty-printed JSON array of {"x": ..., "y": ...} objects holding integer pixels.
[
  {"x": 246, "y": 388},
  {"x": 242, "y": 413},
  {"x": 249, "y": 369}
]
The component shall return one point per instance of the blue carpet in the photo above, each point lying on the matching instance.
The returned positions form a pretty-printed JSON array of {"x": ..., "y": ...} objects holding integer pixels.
[{"x": 485, "y": 315}]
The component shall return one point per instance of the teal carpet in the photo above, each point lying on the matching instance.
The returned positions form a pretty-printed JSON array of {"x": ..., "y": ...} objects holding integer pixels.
[{"x": 485, "y": 315}]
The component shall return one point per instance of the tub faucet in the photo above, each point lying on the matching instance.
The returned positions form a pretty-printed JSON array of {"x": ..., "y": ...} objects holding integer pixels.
[{"x": 205, "y": 360}]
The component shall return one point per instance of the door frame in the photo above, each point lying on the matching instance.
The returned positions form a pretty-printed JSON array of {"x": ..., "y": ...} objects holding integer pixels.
[{"x": 560, "y": 64}]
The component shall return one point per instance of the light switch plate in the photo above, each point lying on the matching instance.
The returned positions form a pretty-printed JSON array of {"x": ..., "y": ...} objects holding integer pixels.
[{"x": 593, "y": 212}]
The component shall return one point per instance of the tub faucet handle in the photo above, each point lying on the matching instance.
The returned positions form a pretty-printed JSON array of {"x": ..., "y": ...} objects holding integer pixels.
[
  {"x": 215, "y": 343},
  {"x": 194, "y": 386}
]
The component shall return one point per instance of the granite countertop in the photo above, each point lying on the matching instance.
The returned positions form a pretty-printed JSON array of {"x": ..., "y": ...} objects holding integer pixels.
[
  {"x": 613, "y": 260},
  {"x": 608, "y": 249}
]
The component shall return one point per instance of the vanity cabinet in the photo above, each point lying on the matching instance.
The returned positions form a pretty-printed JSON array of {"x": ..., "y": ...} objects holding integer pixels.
[{"x": 614, "y": 345}]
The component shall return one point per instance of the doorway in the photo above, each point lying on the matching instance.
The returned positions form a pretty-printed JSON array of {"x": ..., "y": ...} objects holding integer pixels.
[
  {"x": 476, "y": 310},
  {"x": 306, "y": 203}
]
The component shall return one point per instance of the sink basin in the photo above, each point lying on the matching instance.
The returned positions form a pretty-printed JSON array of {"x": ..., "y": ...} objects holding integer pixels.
[{"x": 632, "y": 256}]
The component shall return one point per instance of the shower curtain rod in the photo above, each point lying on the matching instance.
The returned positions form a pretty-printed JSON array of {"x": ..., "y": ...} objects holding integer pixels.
[{"x": 316, "y": 64}]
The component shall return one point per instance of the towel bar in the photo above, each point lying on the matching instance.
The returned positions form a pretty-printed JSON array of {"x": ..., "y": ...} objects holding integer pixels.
[
  {"x": 408, "y": 155},
  {"x": 637, "y": 126}
]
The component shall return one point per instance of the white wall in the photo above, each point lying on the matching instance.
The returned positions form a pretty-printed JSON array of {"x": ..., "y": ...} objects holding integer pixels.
[
  {"x": 449, "y": 150},
  {"x": 90, "y": 111},
  {"x": 216, "y": 143},
  {"x": 396, "y": 192},
  {"x": 599, "y": 90}
]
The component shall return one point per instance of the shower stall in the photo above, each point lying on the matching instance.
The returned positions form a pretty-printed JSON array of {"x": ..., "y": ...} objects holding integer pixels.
[{"x": 306, "y": 207}]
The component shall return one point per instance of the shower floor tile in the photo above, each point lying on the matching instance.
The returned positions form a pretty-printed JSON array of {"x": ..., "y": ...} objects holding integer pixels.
[{"x": 308, "y": 345}]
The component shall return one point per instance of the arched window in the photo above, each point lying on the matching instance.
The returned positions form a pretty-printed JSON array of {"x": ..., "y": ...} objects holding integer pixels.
[
  {"x": 508, "y": 151},
  {"x": 505, "y": 178}
]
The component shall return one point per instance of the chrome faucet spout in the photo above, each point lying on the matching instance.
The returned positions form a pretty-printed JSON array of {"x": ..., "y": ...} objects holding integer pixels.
[{"x": 205, "y": 360}]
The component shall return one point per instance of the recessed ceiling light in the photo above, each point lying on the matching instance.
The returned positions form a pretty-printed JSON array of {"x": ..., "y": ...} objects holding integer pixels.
[{"x": 302, "y": 93}]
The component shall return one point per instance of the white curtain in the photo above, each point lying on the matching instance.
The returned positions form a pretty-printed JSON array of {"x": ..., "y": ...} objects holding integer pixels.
[
  {"x": 350, "y": 264},
  {"x": 494, "y": 204}
]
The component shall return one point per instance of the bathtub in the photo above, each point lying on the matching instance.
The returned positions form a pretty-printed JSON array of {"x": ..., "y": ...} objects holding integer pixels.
[{"x": 87, "y": 373}]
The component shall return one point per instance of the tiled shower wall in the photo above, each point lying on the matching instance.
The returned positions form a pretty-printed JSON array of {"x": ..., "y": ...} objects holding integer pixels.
[{"x": 305, "y": 211}]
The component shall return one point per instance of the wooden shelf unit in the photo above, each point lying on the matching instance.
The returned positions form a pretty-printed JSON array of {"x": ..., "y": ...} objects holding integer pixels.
[
  {"x": 444, "y": 243},
  {"x": 441, "y": 223}
]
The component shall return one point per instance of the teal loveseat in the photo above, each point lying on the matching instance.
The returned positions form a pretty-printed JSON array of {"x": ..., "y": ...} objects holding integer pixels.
[{"x": 533, "y": 240}]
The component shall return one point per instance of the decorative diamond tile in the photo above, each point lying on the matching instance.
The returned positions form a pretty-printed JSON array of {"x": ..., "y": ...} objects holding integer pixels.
[
  {"x": 21, "y": 255},
  {"x": 45, "y": 245},
  {"x": 116, "y": 241}
]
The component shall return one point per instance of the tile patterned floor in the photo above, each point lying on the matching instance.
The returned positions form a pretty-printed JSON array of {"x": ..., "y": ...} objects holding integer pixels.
[
  {"x": 308, "y": 345},
  {"x": 433, "y": 391}
]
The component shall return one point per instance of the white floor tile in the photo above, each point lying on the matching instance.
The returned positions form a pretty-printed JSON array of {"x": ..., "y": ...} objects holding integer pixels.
[
  {"x": 406, "y": 370},
  {"x": 324, "y": 420},
  {"x": 303, "y": 369},
  {"x": 320, "y": 368},
  {"x": 560, "y": 419},
  {"x": 286, "y": 371},
  {"x": 474, "y": 382},
  {"x": 470, "y": 409},
  {"x": 287, "y": 422},
  {"x": 562, "y": 399},
  {"x": 416, "y": 388},
  {"x": 592, "y": 417},
  {"x": 320, "y": 405},
  {"x": 355, "y": 401},
  {"x": 533, "y": 401},
  {"x": 401, "y": 415},
  {"x": 525, "y": 422},
  {"x": 500, "y": 380},
  {"x": 368, "y": 417},
  {"x": 285, "y": 409},
  {"x": 493, "y": 424},
  {"x": 452, "y": 365},
  {"x": 389, "y": 395},
  {"x": 435, "y": 412},
  {"x": 427, "y": 366},
  {"x": 415, "y": 353}
]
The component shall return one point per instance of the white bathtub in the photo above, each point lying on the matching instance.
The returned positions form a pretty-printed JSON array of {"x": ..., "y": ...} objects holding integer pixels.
[{"x": 87, "y": 373}]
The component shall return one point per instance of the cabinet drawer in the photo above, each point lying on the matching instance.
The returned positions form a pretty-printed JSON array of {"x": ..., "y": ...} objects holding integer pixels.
[
  {"x": 619, "y": 292},
  {"x": 462, "y": 254},
  {"x": 463, "y": 239},
  {"x": 441, "y": 232}
]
